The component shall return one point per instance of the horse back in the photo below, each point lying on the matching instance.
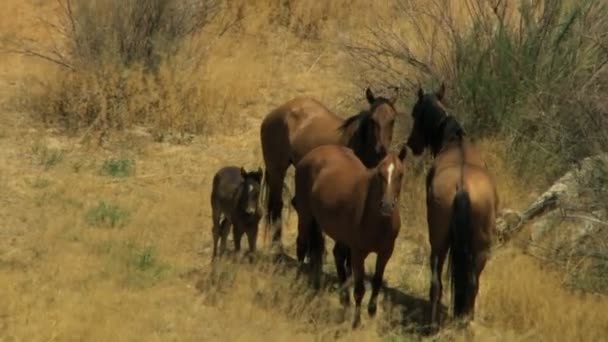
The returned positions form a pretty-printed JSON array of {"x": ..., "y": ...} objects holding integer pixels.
[
  {"x": 301, "y": 124},
  {"x": 447, "y": 180}
]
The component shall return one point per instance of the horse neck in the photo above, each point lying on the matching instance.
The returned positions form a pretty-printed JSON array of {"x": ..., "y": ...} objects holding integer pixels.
[{"x": 351, "y": 138}]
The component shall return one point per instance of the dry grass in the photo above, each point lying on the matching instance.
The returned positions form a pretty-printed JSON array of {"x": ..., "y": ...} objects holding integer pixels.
[{"x": 137, "y": 267}]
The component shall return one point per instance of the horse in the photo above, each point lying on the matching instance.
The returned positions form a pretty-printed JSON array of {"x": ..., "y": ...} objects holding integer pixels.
[
  {"x": 291, "y": 130},
  {"x": 234, "y": 202},
  {"x": 356, "y": 206},
  {"x": 461, "y": 201}
]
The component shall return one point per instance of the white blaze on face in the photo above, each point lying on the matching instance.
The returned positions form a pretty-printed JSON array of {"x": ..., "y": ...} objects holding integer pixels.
[
  {"x": 391, "y": 168},
  {"x": 250, "y": 188}
]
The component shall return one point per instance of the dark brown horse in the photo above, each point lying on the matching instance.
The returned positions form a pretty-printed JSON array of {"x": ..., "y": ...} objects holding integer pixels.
[
  {"x": 234, "y": 201},
  {"x": 461, "y": 202},
  {"x": 298, "y": 126},
  {"x": 356, "y": 206}
]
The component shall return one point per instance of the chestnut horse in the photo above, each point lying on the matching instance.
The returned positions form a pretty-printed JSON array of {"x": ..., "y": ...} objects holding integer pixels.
[
  {"x": 462, "y": 203},
  {"x": 355, "y": 206},
  {"x": 296, "y": 127}
]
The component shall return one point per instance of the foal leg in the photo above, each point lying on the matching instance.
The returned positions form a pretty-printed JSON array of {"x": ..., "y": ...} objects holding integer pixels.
[
  {"x": 436, "y": 290},
  {"x": 237, "y": 235},
  {"x": 252, "y": 236},
  {"x": 216, "y": 230},
  {"x": 381, "y": 261},
  {"x": 224, "y": 230},
  {"x": 341, "y": 254},
  {"x": 358, "y": 259}
]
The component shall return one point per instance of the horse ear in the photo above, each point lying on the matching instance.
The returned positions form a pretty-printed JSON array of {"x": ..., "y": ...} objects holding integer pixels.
[
  {"x": 370, "y": 95},
  {"x": 243, "y": 172},
  {"x": 420, "y": 92},
  {"x": 403, "y": 152},
  {"x": 441, "y": 92}
]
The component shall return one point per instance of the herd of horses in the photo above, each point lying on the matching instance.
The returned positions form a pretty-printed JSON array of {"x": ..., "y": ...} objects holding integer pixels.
[{"x": 347, "y": 186}]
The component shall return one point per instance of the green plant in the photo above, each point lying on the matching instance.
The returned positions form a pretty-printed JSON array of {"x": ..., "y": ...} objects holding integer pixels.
[
  {"x": 106, "y": 214},
  {"x": 118, "y": 167}
]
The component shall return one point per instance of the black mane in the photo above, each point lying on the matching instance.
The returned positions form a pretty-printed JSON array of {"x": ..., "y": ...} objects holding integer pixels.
[{"x": 440, "y": 127}]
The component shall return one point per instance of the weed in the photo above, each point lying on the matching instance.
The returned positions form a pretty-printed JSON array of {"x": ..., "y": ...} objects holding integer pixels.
[
  {"x": 47, "y": 157},
  {"x": 106, "y": 214},
  {"x": 118, "y": 167}
]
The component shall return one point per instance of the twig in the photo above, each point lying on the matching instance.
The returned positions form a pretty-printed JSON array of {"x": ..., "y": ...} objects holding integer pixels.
[{"x": 36, "y": 54}]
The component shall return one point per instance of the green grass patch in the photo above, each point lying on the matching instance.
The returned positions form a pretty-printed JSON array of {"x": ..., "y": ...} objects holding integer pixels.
[
  {"x": 132, "y": 263},
  {"x": 106, "y": 214},
  {"x": 118, "y": 167}
]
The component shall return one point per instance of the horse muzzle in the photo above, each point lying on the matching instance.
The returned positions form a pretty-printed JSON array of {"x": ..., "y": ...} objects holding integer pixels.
[{"x": 386, "y": 208}]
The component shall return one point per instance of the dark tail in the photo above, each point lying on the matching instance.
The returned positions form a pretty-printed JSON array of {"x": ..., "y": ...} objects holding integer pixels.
[
  {"x": 316, "y": 249},
  {"x": 462, "y": 262},
  {"x": 267, "y": 205},
  {"x": 316, "y": 242}
]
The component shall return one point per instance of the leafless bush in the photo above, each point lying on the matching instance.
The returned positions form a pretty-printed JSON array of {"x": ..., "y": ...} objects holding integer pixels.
[{"x": 125, "y": 62}]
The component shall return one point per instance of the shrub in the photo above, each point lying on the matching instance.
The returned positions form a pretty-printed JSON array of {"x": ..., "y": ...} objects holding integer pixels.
[
  {"x": 534, "y": 75},
  {"x": 123, "y": 63}
]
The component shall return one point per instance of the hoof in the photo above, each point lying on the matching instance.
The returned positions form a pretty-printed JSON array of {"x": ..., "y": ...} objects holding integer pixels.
[{"x": 357, "y": 322}]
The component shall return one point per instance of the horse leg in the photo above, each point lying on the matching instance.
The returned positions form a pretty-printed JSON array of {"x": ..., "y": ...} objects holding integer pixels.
[
  {"x": 224, "y": 230},
  {"x": 252, "y": 236},
  {"x": 358, "y": 259},
  {"x": 215, "y": 230},
  {"x": 348, "y": 262},
  {"x": 341, "y": 252},
  {"x": 381, "y": 260},
  {"x": 480, "y": 263},
  {"x": 436, "y": 290},
  {"x": 237, "y": 235},
  {"x": 275, "y": 203}
]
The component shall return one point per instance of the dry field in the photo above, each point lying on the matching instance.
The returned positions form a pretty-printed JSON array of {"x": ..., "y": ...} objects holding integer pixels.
[{"x": 112, "y": 241}]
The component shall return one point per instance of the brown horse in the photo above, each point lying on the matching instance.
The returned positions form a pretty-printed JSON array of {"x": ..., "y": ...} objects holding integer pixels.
[
  {"x": 461, "y": 202},
  {"x": 234, "y": 202},
  {"x": 356, "y": 206},
  {"x": 296, "y": 127}
]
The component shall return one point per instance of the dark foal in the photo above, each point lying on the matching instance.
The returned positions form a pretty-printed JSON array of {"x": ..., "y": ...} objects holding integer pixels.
[{"x": 234, "y": 201}]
